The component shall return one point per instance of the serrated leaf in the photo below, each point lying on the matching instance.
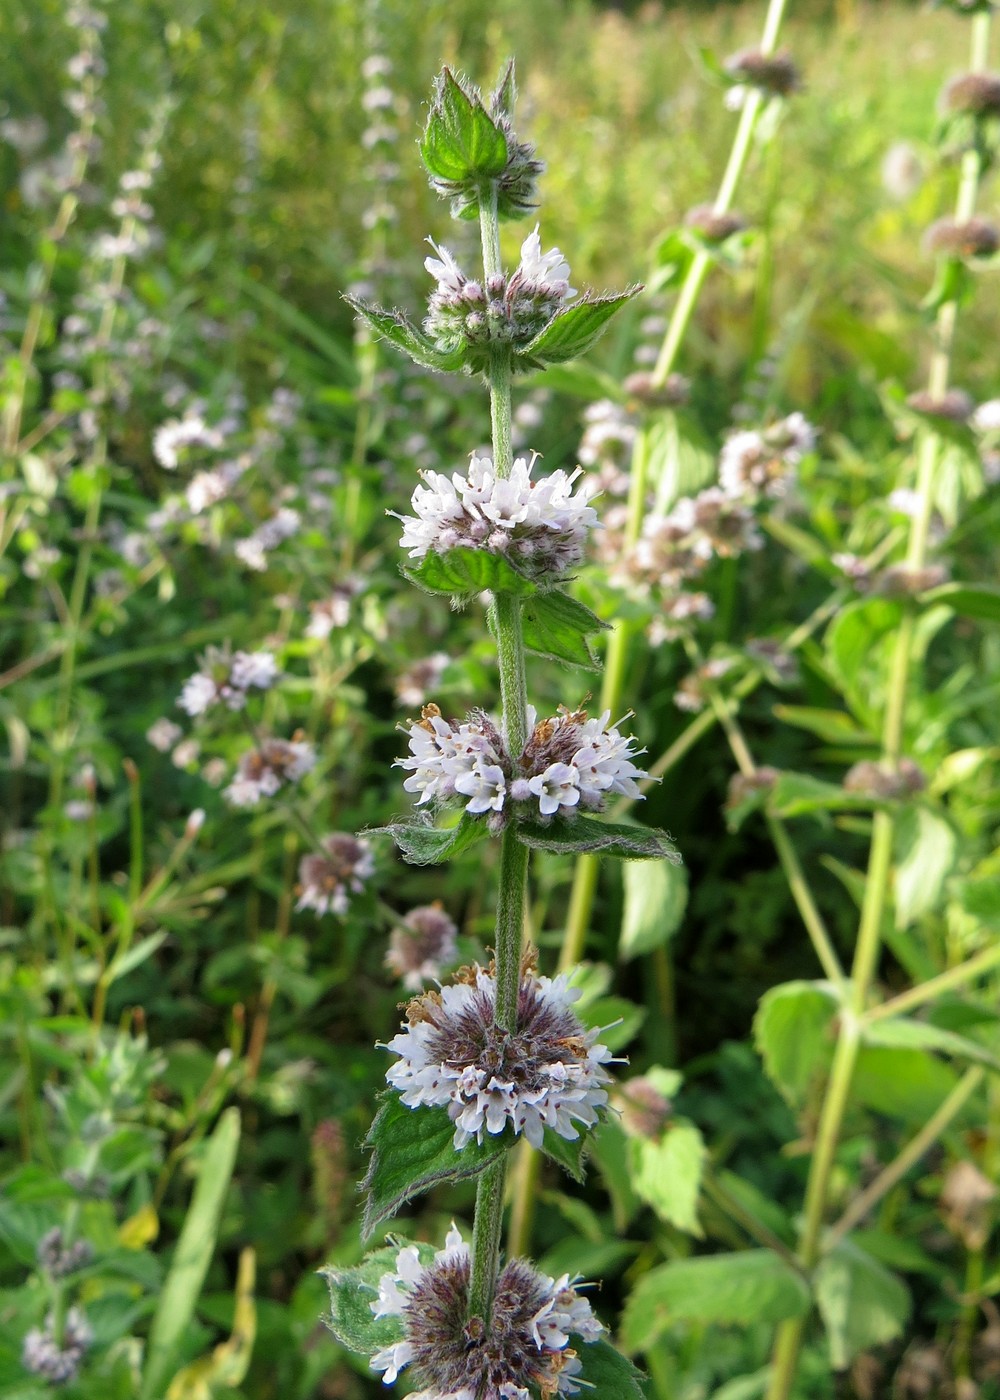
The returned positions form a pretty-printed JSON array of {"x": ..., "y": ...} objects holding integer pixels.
[
  {"x": 925, "y": 853},
  {"x": 587, "y": 834},
  {"x": 352, "y": 1292},
  {"x": 464, "y": 572},
  {"x": 572, "y": 332},
  {"x": 667, "y": 1173},
  {"x": 753, "y": 1285},
  {"x": 412, "y": 1151},
  {"x": 461, "y": 142},
  {"x": 792, "y": 1034},
  {"x": 394, "y": 327},
  {"x": 423, "y": 844},
  {"x": 568, "y": 1153},
  {"x": 861, "y": 1303},
  {"x": 557, "y": 626},
  {"x": 655, "y": 900},
  {"x": 901, "y": 1031},
  {"x": 607, "y": 1374},
  {"x": 971, "y": 600}
]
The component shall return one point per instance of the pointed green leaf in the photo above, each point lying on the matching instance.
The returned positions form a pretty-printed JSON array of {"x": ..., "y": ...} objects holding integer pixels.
[
  {"x": 799, "y": 794},
  {"x": 394, "y": 327},
  {"x": 753, "y": 1285},
  {"x": 569, "y": 1153},
  {"x": 655, "y": 899},
  {"x": 195, "y": 1247},
  {"x": 463, "y": 572},
  {"x": 461, "y": 142},
  {"x": 572, "y": 332},
  {"x": 861, "y": 1303},
  {"x": 921, "y": 1035},
  {"x": 666, "y": 1174},
  {"x": 352, "y": 1292},
  {"x": 607, "y": 1374},
  {"x": 557, "y": 626},
  {"x": 792, "y": 1032},
  {"x": 423, "y": 844},
  {"x": 971, "y": 600},
  {"x": 412, "y": 1151},
  {"x": 925, "y": 853},
  {"x": 578, "y": 834}
]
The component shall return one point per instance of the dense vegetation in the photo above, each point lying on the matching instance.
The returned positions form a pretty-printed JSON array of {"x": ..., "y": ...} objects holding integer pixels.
[{"x": 200, "y": 444}]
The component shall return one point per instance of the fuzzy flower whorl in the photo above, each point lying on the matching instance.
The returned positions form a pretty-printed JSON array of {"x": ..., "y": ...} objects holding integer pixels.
[
  {"x": 455, "y": 1356},
  {"x": 549, "y": 1073}
]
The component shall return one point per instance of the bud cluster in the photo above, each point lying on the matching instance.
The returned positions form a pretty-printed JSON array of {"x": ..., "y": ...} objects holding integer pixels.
[
  {"x": 524, "y": 1351},
  {"x": 262, "y": 771},
  {"x": 58, "y": 1258},
  {"x": 55, "y": 1361},
  {"x": 467, "y": 314},
  {"x": 423, "y": 943},
  {"x": 546, "y": 1074},
  {"x": 569, "y": 761},
  {"x": 540, "y": 525}
]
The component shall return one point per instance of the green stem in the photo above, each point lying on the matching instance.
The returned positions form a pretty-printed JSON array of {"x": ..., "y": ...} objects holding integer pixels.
[
  {"x": 789, "y": 1335},
  {"x": 512, "y": 894}
]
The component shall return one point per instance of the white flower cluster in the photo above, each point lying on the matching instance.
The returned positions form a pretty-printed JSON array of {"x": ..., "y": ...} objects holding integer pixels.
[
  {"x": 175, "y": 435},
  {"x": 262, "y": 772},
  {"x": 548, "y": 1074},
  {"x": 225, "y": 679},
  {"x": 526, "y": 1348},
  {"x": 540, "y": 525},
  {"x": 569, "y": 761},
  {"x": 464, "y": 312}
]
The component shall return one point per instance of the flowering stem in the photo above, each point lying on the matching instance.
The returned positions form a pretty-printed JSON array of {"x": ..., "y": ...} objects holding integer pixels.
[
  {"x": 789, "y": 1335},
  {"x": 512, "y": 891}
]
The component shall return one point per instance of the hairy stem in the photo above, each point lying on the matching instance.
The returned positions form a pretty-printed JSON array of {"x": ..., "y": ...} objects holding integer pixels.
[{"x": 512, "y": 893}]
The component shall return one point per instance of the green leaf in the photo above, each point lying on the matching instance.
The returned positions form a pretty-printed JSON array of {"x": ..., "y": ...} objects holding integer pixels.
[
  {"x": 557, "y": 626},
  {"x": 800, "y": 543},
  {"x": 464, "y": 572},
  {"x": 394, "y": 327},
  {"x": 792, "y": 1033},
  {"x": 423, "y": 844},
  {"x": 861, "y": 1303},
  {"x": 907, "y": 1085},
  {"x": 412, "y": 1151},
  {"x": 858, "y": 645},
  {"x": 667, "y": 1174},
  {"x": 953, "y": 281},
  {"x": 754, "y": 1285},
  {"x": 572, "y": 332},
  {"x": 971, "y": 600},
  {"x": 461, "y": 142},
  {"x": 569, "y": 1153},
  {"x": 655, "y": 898},
  {"x": 352, "y": 1292},
  {"x": 798, "y": 794},
  {"x": 925, "y": 853},
  {"x": 193, "y": 1254},
  {"x": 901, "y": 1031},
  {"x": 618, "y": 1019},
  {"x": 607, "y": 1374},
  {"x": 835, "y": 726},
  {"x": 571, "y": 836}
]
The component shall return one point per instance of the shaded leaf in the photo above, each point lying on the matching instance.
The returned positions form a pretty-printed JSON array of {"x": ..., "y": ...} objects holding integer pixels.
[
  {"x": 925, "y": 853},
  {"x": 588, "y": 834},
  {"x": 461, "y": 142},
  {"x": 394, "y": 327},
  {"x": 667, "y": 1173},
  {"x": 422, "y": 844},
  {"x": 463, "y": 572},
  {"x": 557, "y": 626},
  {"x": 608, "y": 1374},
  {"x": 655, "y": 900},
  {"x": 792, "y": 1033},
  {"x": 798, "y": 794},
  {"x": 412, "y": 1151},
  {"x": 352, "y": 1292},
  {"x": 901, "y": 1031},
  {"x": 908, "y": 1085},
  {"x": 753, "y": 1285},
  {"x": 861, "y": 1303},
  {"x": 971, "y": 600}
]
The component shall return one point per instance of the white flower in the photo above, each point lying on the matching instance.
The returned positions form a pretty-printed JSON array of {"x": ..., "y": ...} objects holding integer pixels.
[
  {"x": 327, "y": 880},
  {"x": 484, "y": 785},
  {"x": 445, "y": 270},
  {"x": 986, "y": 418},
  {"x": 163, "y": 734},
  {"x": 558, "y": 786},
  {"x": 541, "y": 525},
  {"x": 550, "y": 269},
  {"x": 256, "y": 669},
  {"x": 198, "y": 695},
  {"x": 177, "y": 433},
  {"x": 262, "y": 772}
]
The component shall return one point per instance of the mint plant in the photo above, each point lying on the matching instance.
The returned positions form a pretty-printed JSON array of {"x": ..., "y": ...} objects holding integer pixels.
[{"x": 499, "y": 1053}]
